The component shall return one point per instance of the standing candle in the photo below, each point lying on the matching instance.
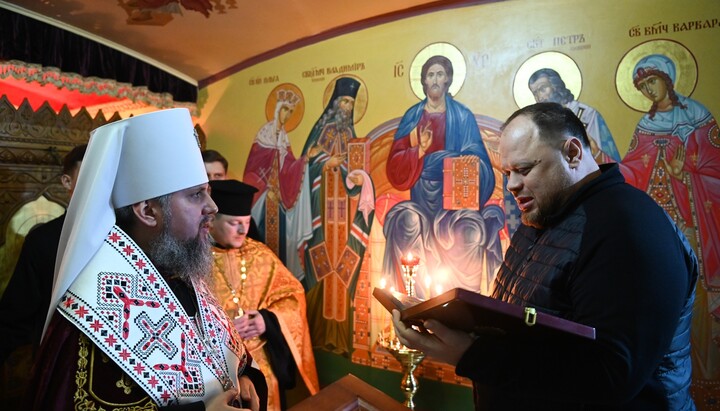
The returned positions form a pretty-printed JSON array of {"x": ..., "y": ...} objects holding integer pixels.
[{"x": 409, "y": 268}]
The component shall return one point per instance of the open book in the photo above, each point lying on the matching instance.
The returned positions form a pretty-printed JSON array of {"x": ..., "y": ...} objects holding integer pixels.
[{"x": 472, "y": 312}]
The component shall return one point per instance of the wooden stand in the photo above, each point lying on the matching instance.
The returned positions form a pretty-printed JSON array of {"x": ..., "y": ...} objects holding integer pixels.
[{"x": 349, "y": 394}]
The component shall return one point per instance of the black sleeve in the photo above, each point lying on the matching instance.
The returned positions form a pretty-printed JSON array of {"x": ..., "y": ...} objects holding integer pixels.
[
  {"x": 632, "y": 284},
  {"x": 25, "y": 302},
  {"x": 281, "y": 358},
  {"x": 15, "y": 324},
  {"x": 258, "y": 380}
]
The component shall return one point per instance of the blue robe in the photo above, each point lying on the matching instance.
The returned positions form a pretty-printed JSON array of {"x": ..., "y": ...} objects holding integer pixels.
[{"x": 466, "y": 242}]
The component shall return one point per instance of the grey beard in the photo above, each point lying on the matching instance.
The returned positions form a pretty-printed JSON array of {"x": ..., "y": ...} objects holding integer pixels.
[
  {"x": 189, "y": 260},
  {"x": 560, "y": 98},
  {"x": 343, "y": 120}
]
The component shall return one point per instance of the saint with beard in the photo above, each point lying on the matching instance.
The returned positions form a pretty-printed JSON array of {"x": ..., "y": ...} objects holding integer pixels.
[
  {"x": 340, "y": 232},
  {"x": 547, "y": 86},
  {"x": 464, "y": 243}
]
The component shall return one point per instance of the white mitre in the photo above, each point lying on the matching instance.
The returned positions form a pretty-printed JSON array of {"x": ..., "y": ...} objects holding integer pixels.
[{"x": 127, "y": 161}]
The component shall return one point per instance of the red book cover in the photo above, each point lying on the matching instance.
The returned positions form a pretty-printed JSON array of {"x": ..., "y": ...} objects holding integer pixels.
[
  {"x": 461, "y": 183},
  {"x": 359, "y": 154}
]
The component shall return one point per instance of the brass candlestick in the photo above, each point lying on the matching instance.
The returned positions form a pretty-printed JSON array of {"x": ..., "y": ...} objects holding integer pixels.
[{"x": 409, "y": 358}]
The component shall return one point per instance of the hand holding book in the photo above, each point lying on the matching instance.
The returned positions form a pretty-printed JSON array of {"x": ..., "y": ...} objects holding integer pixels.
[
  {"x": 433, "y": 338},
  {"x": 475, "y": 313}
]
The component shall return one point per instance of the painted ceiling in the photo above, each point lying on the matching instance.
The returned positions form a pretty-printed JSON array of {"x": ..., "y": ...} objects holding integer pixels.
[{"x": 201, "y": 41}]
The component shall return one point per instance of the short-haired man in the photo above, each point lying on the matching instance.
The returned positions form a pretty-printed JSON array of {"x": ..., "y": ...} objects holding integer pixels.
[
  {"x": 216, "y": 165},
  {"x": 266, "y": 300},
  {"x": 594, "y": 250},
  {"x": 24, "y": 304},
  {"x": 132, "y": 323}
]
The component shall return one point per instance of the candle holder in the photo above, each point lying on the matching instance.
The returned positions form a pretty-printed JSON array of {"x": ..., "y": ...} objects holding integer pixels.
[
  {"x": 409, "y": 266},
  {"x": 408, "y": 358}
]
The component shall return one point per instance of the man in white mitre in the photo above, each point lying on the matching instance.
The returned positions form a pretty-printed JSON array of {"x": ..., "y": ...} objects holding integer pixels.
[{"x": 132, "y": 323}]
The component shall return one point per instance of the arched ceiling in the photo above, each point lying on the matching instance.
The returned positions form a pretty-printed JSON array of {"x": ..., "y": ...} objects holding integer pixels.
[
  {"x": 202, "y": 40},
  {"x": 198, "y": 41}
]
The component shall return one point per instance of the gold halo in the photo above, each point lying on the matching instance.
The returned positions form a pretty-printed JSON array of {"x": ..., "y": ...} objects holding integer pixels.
[
  {"x": 562, "y": 63},
  {"x": 685, "y": 71},
  {"x": 361, "y": 100},
  {"x": 297, "y": 113},
  {"x": 443, "y": 49}
]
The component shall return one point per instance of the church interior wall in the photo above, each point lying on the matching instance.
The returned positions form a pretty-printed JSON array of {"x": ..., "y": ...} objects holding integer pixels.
[{"x": 497, "y": 41}]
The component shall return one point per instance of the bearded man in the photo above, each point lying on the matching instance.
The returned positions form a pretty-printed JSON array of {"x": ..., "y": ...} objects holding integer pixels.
[{"x": 132, "y": 323}]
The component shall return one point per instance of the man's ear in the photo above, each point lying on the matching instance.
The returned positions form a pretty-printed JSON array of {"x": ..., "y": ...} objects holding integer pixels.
[
  {"x": 148, "y": 212},
  {"x": 573, "y": 151},
  {"x": 66, "y": 181}
]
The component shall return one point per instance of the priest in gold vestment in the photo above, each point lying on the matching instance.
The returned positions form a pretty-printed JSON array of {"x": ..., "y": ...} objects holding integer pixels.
[{"x": 266, "y": 301}]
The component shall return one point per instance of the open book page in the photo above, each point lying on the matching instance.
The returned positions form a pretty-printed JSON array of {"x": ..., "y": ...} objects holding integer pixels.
[{"x": 395, "y": 300}]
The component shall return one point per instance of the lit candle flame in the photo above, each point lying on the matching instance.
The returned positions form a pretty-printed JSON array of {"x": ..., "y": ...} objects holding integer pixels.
[
  {"x": 442, "y": 274},
  {"x": 410, "y": 260},
  {"x": 383, "y": 283}
]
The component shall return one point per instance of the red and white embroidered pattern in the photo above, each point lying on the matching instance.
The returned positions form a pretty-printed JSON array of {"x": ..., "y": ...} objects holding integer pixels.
[{"x": 126, "y": 308}]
